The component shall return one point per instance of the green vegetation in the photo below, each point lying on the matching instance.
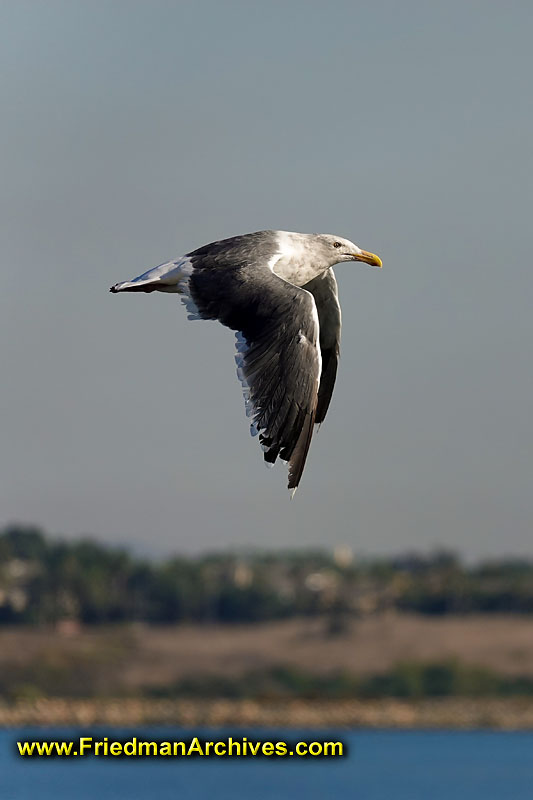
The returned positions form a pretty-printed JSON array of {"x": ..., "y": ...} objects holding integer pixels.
[
  {"x": 90, "y": 675},
  {"x": 43, "y": 581},
  {"x": 407, "y": 680}
]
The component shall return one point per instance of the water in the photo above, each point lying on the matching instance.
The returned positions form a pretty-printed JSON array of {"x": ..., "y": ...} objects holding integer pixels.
[{"x": 381, "y": 765}]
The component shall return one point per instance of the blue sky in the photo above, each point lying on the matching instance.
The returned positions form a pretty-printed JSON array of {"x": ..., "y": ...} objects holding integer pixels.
[{"x": 133, "y": 132}]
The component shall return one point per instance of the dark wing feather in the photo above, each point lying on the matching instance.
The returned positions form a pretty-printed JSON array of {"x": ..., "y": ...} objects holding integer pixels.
[
  {"x": 278, "y": 352},
  {"x": 324, "y": 290}
]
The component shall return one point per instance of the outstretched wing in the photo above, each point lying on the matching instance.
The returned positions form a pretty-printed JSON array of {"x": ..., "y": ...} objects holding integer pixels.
[
  {"x": 278, "y": 356},
  {"x": 324, "y": 290},
  {"x": 278, "y": 352}
]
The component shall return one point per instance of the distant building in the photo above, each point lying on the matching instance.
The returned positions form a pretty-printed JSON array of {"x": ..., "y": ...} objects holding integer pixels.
[{"x": 343, "y": 556}]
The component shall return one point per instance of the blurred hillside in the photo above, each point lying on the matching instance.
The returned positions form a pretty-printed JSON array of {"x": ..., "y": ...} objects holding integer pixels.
[
  {"x": 44, "y": 581},
  {"x": 81, "y": 620}
]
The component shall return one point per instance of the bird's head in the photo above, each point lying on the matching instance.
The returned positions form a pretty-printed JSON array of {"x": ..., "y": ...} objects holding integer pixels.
[{"x": 337, "y": 249}]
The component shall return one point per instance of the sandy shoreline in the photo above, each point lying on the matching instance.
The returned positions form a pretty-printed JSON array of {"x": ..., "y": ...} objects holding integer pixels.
[{"x": 459, "y": 713}]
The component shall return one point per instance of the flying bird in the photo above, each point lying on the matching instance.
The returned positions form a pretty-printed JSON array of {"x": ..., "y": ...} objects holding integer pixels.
[{"x": 277, "y": 290}]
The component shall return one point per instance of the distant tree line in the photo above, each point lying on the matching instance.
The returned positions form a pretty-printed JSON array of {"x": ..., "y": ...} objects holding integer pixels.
[{"x": 46, "y": 581}]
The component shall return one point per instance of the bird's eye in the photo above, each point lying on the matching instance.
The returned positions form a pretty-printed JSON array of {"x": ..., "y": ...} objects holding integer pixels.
[{"x": 336, "y": 244}]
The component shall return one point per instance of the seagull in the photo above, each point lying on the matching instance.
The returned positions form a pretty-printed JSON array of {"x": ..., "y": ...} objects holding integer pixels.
[{"x": 278, "y": 291}]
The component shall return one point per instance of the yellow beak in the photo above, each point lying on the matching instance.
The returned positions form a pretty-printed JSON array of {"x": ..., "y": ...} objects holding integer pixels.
[{"x": 369, "y": 258}]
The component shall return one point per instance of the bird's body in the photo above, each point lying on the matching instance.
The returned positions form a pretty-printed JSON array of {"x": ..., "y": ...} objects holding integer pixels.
[{"x": 278, "y": 291}]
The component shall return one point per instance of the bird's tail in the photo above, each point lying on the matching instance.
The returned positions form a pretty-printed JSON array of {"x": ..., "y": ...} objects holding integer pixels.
[
  {"x": 167, "y": 277},
  {"x": 132, "y": 286}
]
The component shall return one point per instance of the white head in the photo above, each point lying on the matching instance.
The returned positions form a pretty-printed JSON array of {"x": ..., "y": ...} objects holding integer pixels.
[{"x": 336, "y": 249}]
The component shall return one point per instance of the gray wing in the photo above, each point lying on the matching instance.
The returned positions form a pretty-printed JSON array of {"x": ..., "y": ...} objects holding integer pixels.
[
  {"x": 324, "y": 290},
  {"x": 278, "y": 354}
]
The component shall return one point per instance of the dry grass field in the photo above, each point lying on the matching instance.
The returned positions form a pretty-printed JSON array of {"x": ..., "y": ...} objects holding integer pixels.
[{"x": 135, "y": 656}]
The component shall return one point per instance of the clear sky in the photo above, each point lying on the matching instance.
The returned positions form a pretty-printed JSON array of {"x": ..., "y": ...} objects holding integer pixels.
[{"x": 135, "y": 131}]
